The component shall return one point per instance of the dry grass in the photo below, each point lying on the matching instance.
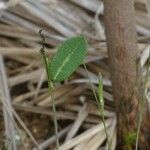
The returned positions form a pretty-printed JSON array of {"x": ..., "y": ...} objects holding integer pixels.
[{"x": 24, "y": 91}]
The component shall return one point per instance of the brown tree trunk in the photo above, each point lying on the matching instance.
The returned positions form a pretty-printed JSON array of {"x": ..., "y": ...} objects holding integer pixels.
[{"x": 122, "y": 51}]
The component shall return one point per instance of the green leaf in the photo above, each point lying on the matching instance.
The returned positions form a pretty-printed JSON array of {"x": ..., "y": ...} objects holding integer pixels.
[
  {"x": 67, "y": 59},
  {"x": 100, "y": 91}
]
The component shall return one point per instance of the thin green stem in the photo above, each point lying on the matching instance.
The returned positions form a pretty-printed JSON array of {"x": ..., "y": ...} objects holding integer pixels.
[
  {"x": 142, "y": 106},
  {"x": 94, "y": 93},
  {"x": 139, "y": 125},
  {"x": 101, "y": 109},
  {"x": 50, "y": 87},
  {"x": 103, "y": 120},
  {"x": 54, "y": 114}
]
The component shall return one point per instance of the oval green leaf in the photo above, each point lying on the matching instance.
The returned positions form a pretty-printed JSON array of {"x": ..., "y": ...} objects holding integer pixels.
[{"x": 67, "y": 58}]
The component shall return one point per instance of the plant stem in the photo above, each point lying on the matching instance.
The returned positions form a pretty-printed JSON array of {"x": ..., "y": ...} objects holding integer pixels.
[
  {"x": 139, "y": 125},
  {"x": 103, "y": 120},
  {"x": 50, "y": 86},
  {"x": 101, "y": 109},
  {"x": 90, "y": 82},
  {"x": 142, "y": 105}
]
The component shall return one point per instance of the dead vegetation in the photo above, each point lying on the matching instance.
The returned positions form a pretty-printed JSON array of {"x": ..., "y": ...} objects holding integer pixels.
[{"x": 25, "y": 103}]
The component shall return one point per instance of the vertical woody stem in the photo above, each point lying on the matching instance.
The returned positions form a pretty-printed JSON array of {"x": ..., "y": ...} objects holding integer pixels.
[{"x": 122, "y": 51}]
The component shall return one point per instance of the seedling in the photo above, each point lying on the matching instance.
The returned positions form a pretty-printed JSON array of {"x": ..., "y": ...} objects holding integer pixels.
[
  {"x": 100, "y": 101},
  {"x": 101, "y": 106},
  {"x": 66, "y": 60}
]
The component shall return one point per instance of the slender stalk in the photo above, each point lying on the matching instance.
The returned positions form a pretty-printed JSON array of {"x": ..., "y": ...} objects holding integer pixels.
[
  {"x": 142, "y": 106},
  {"x": 90, "y": 82},
  {"x": 50, "y": 87},
  {"x": 139, "y": 125},
  {"x": 103, "y": 120},
  {"x": 100, "y": 107}
]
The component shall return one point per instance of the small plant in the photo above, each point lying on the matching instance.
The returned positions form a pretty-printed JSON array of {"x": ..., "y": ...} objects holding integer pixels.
[
  {"x": 66, "y": 60},
  {"x": 101, "y": 106},
  {"x": 100, "y": 101}
]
